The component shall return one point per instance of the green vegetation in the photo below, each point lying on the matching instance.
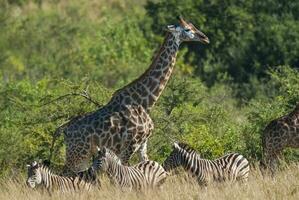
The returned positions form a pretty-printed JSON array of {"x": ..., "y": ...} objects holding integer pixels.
[{"x": 220, "y": 98}]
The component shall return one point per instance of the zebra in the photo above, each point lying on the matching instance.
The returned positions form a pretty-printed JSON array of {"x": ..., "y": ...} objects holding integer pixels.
[
  {"x": 144, "y": 175},
  {"x": 40, "y": 175},
  {"x": 230, "y": 167}
]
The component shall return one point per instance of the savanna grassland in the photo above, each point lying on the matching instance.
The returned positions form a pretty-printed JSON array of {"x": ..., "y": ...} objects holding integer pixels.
[
  {"x": 283, "y": 186},
  {"x": 219, "y": 99}
]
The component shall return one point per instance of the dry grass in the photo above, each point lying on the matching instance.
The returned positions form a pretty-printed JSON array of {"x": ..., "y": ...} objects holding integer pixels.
[{"x": 284, "y": 186}]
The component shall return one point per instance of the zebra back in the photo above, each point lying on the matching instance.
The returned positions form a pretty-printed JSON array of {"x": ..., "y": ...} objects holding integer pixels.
[
  {"x": 229, "y": 167},
  {"x": 235, "y": 166},
  {"x": 154, "y": 173}
]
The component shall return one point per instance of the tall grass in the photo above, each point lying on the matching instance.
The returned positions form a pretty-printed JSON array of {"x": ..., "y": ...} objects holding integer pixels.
[{"x": 285, "y": 185}]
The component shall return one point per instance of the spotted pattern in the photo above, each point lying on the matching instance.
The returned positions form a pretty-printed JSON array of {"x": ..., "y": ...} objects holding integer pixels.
[
  {"x": 124, "y": 124},
  {"x": 278, "y": 135}
]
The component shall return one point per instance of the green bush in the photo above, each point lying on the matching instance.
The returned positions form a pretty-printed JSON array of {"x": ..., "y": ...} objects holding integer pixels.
[
  {"x": 262, "y": 110},
  {"x": 219, "y": 99}
]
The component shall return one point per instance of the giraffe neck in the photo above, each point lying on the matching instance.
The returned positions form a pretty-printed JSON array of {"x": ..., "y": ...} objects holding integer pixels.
[{"x": 146, "y": 89}]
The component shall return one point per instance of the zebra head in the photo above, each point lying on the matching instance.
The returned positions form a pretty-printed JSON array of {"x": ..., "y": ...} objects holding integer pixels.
[
  {"x": 34, "y": 174},
  {"x": 174, "y": 159},
  {"x": 102, "y": 159},
  {"x": 100, "y": 162}
]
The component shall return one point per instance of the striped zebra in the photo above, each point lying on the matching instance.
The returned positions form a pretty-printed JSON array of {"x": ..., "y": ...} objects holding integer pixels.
[
  {"x": 40, "y": 175},
  {"x": 146, "y": 174},
  {"x": 230, "y": 167}
]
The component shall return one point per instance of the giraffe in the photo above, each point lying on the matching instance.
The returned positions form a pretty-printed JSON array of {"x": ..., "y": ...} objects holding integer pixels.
[
  {"x": 279, "y": 134},
  {"x": 123, "y": 124}
]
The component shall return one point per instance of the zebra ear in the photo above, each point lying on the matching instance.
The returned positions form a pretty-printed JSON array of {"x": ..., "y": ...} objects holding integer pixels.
[
  {"x": 104, "y": 150},
  {"x": 98, "y": 148},
  {"x": 46, "y": 163},
  {"x": 34, "y": 164},
  {"x": 176, "y": 145}
]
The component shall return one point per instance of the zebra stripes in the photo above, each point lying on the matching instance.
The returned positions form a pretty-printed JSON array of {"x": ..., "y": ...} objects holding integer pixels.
[
  {"x": 154, "y": 173},
  {"x": 144, "y": 175},
  {"x": 141, "y": 176},
  {"x": 41, "y": 175},
  {"x": 230, "y": 167}
]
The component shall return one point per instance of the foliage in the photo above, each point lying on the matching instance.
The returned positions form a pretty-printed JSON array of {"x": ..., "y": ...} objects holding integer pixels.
[
  {"x": 247, "y": 37},
  {"x": 220, "y": 97},
  {"x": 261, "y": 111}
]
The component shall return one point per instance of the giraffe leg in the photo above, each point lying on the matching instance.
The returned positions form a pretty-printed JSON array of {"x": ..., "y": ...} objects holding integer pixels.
[
  {"x": 273, "y": 165},
  {"x": 274, "y": 162},
  {"x": 143, "y": 151}
]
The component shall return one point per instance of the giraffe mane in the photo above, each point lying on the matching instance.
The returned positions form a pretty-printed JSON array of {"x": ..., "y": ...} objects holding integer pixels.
[{"x": 154, "y": 61}]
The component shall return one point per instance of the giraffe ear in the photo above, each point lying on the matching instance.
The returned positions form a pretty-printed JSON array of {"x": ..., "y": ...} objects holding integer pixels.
[{"x": 171, "y": 28}]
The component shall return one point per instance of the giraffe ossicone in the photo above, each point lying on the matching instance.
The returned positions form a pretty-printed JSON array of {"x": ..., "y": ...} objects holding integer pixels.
[{"x": 123, "y": 124}]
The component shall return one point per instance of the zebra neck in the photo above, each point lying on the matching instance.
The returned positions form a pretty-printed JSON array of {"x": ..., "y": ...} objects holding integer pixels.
[
  {"x": 46, "y": 176},
  {"x": 190, "y": 162},
  {"x": 115, "y": 170}
]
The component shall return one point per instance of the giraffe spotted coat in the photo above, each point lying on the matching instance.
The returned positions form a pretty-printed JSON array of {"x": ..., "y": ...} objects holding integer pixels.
[
  {"x": 278, "y": 135},
  {"x": 124, "y": 124}
]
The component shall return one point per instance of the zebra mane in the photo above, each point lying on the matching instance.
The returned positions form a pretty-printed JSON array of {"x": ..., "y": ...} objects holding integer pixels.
[
  {"x": 112, "y": 154},
  {"x": 46, "y": 169},
  {"x": 187, "y": 147}
]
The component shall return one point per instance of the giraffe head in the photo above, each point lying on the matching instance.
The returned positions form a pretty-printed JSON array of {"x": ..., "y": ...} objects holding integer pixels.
[{"x": 186, "y": 31}]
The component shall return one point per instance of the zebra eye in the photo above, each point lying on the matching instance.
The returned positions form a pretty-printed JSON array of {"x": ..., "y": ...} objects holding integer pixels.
[{"x": 187, "y": 29}]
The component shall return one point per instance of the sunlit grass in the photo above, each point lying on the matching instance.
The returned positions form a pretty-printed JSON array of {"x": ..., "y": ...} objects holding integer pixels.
[{"x": 285, "y": 185}]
